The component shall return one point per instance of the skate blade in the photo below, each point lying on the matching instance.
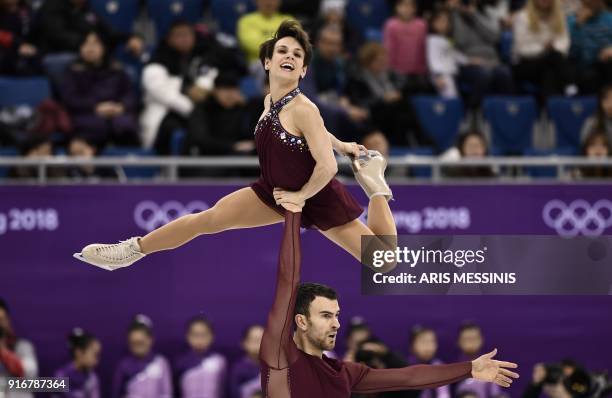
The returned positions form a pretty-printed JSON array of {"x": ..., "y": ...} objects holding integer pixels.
[{"x": 80, "y": 257}]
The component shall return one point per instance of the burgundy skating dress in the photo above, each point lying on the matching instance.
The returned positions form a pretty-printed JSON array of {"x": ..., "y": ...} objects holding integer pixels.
[{"x": 286, "y": 163}]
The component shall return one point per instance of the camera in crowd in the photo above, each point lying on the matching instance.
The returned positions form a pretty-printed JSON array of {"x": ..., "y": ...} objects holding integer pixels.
[{"x": 569, "y": 380}]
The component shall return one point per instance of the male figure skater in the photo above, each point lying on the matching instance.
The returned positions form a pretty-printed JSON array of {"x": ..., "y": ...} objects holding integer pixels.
[{"x": 293, "y": 364}]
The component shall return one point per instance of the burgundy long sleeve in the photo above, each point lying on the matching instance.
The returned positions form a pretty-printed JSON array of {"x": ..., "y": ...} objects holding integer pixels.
[{"x": 417, "y": 377}]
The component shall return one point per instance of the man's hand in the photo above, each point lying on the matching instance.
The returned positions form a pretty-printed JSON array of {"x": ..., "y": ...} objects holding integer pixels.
[
  {"x": 485, "y": 368},
  {"x": 292, "y": 201}
]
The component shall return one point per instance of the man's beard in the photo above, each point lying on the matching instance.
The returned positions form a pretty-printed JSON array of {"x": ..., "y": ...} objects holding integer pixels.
[{"x": 325, "y": 343}]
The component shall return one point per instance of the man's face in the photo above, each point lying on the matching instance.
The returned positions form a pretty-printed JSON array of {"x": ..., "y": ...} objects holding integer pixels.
[{"x": 322, "y": 324}]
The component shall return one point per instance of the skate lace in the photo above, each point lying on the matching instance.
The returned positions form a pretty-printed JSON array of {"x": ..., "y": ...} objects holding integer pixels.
[{"x": 116, "y": 252}]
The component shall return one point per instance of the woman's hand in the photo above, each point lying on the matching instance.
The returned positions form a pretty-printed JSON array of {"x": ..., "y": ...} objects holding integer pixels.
[
  {"x": 292, "y": 201},
  {"x": 351, "y": 149}
]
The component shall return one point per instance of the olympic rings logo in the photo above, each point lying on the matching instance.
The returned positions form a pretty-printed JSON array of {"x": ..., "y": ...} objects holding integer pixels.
[
  {"x": 148, "y": 215},
  {"x": 579, "y": 217}
]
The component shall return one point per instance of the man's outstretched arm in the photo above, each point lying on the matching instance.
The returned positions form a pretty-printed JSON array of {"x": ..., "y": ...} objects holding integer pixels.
[
  {"x": 277, "y": 346},
  {"x": 485, "y": 368}
]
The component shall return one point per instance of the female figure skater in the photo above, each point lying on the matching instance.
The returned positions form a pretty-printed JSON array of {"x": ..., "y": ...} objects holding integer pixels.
[
  {"x": 85, "y": 351},
  {"x": 297, "y": 167}
]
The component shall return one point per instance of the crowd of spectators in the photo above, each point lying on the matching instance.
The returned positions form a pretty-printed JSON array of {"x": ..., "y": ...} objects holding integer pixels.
[{"x": 190, "y": 78}]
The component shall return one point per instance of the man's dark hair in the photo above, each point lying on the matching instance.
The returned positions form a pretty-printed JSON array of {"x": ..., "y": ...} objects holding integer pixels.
[
  {"x": 289, "y": 28},
  {"x": 308, "y": 292}
]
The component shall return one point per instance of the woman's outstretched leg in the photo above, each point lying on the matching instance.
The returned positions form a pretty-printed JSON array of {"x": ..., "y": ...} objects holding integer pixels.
[{"x": 240, "y": 209}]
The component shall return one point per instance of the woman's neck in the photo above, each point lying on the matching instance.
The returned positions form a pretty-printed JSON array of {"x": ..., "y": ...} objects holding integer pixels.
[{"x": 279, "y": 90}]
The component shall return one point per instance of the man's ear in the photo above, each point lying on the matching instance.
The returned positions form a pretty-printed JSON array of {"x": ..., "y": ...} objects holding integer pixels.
[{"x": 301, "y": 322}]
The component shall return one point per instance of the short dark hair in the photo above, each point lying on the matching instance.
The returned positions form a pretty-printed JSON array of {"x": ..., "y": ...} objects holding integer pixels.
[
  {"x": 289, "y": 28},
  {"x": 308, "y": 292}
]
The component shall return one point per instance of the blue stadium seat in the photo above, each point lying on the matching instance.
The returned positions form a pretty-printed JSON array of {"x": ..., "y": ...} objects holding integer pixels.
[
  {"x": 164, "y": 12},
  {"x": 440, "y": 118},
  {"x": 568, "y": 116},
  {"x": 505, "y": 45},
  {"x": 416, "y": 171},
  {"x": 7, "y": 152},
  {"x": 512, "y": 120},
  {"x": 120, "y": 14},
  {"x": 177, "y": 141},
  {"x": 133, "y": 172},
  {"x": 24, "y": 91},
  {"x": 227, "y": 13},
  {"x": 546, "y": 172},
  {"x": 367, "y": 14},
  {"x": 249, "y": 87},
  {"x": 373, "y": 34},
  {"x": 55, "y": 65}
]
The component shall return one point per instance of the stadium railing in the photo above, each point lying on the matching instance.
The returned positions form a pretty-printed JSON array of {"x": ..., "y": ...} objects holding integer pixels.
[{"x": 169, "y": 166}]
